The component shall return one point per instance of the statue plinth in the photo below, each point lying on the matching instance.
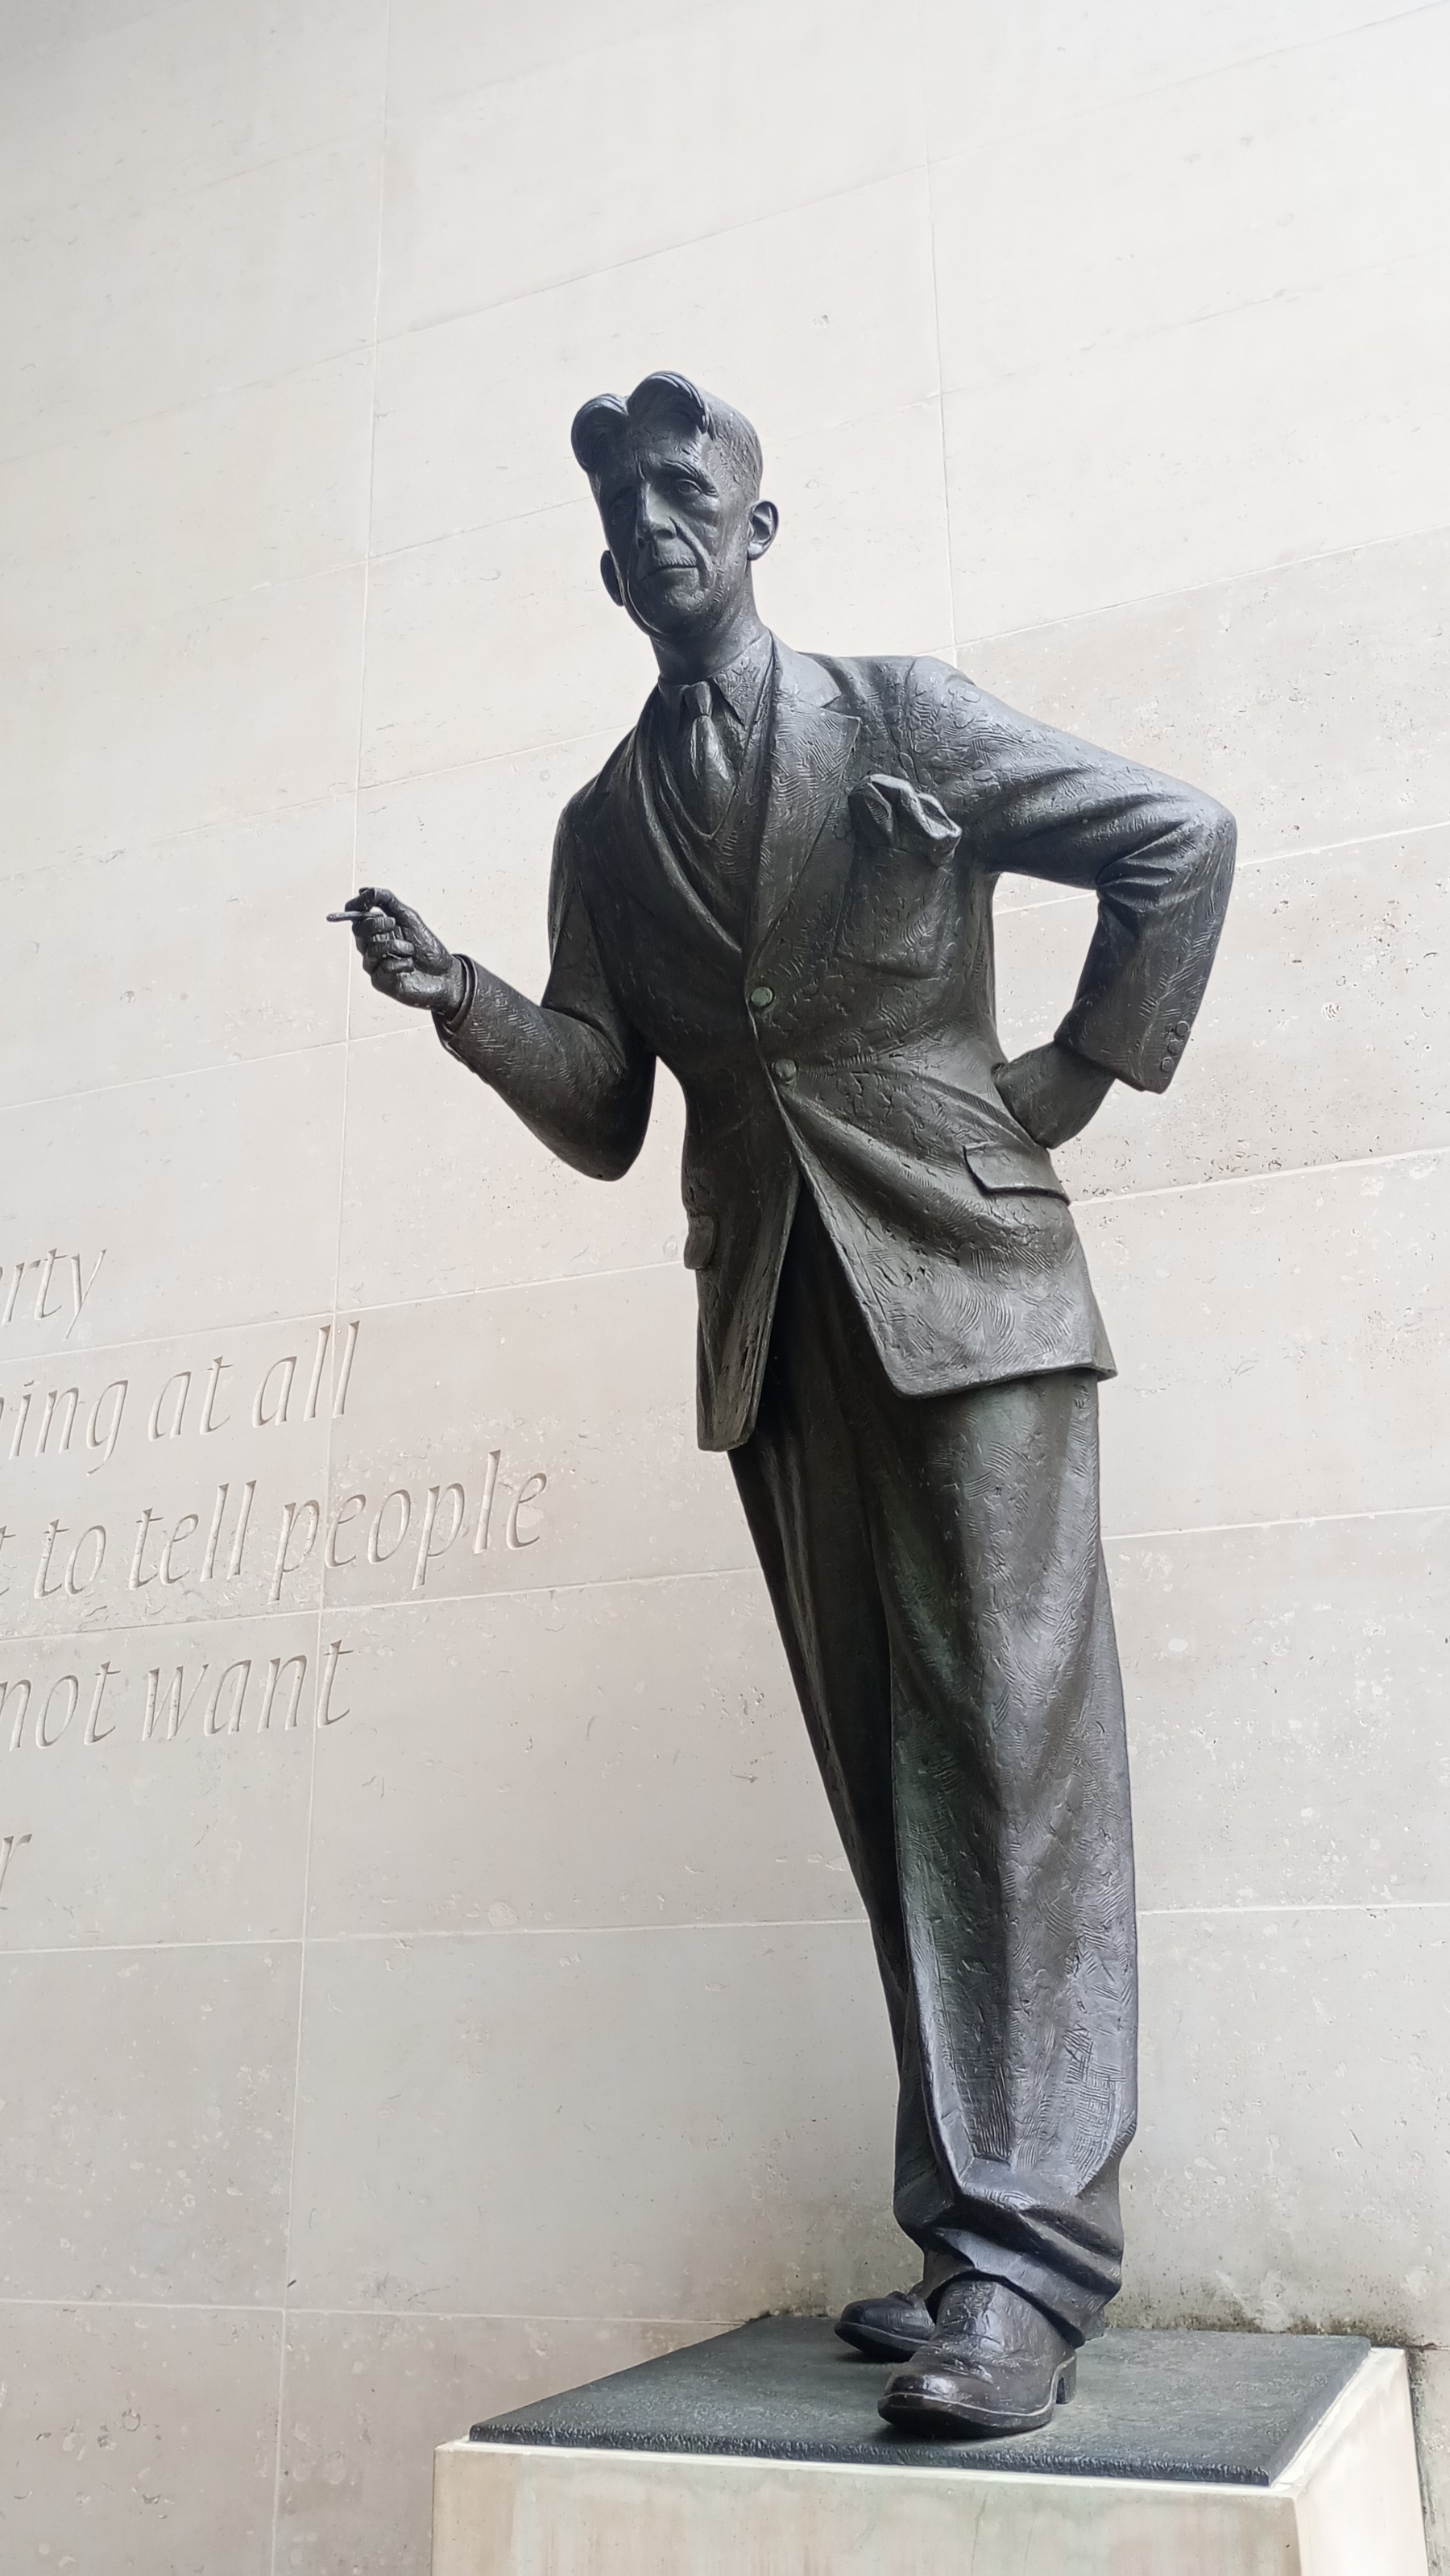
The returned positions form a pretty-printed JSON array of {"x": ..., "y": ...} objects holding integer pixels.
[{"x": 1182, "y": 2455}]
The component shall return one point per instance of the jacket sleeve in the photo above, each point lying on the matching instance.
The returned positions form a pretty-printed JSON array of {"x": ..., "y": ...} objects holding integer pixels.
[
  {"x": 1158, "y": 855},
  {"x": 572, "y": 1067}
]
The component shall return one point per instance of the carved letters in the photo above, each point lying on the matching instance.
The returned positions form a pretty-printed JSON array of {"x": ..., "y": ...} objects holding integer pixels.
[
  {"x": 40, "y": 1421},
  {"x": 164, "y": 1551},
  {"x": 47, "y": 1288},
  {"x": 254, "y": 1530},
  {"x": 249, "y": 1531},
  {"x": 256, "y": 1694}
]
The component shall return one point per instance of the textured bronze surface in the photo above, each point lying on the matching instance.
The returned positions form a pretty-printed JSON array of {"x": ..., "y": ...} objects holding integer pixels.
[{"x": 780, "y": 885}]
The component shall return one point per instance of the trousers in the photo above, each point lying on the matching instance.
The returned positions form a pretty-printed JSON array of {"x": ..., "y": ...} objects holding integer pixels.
[{"x": 936, "y": 1571}]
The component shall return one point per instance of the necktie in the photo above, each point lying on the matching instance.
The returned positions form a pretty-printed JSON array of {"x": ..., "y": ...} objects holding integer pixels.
[{"x": 707, "y": 763}]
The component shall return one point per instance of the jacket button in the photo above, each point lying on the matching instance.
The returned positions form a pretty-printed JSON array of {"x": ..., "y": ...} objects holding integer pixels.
[
  {"x": 1180, "y": 1029},
  {"x": 785, "y": 1070},
  {"x": 761, "y": 997},
  {"x": 1168, "y": 1064}
]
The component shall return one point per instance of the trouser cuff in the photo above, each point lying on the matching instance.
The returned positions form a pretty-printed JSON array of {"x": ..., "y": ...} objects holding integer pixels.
[{"x": 1076, "y": 2311}]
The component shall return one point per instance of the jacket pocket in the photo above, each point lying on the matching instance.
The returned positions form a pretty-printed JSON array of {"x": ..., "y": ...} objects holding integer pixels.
[
  {"x": 700, "y": 1242},
  {"x": 1002, "y": 1169},
  {"x": 899, "y": 914}
]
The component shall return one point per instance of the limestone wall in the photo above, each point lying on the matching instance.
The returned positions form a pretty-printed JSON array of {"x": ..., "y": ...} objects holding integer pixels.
[{"x": 431, "y": 1975}]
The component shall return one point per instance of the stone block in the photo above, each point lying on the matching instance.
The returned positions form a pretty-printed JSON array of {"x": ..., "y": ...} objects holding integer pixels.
[
  {"x": 1307, "y": 695},
  {"x": 788, "y": 315},
  {"x": 365, "y": 2396},
  {"x": 171, "y": 1481},
  {"x": 685, "y": 2123},
  {"x": 523, "y": 1416},
  {"x": 1321, "y": 1040},
  {"x": 445, "y": 1191},
  {"x": 140, "y": 2437},
  {"x": 146, "y": 2153},
  {"x": 1180, "y": 2455},
  {"x": 1294, "y": 2083},
  {"x": 176, "y": 300},
  {"x": 1123, "y": 468},
  {"x": 1188, "y": 197},
  {"x": 130, "y": 109},
  {"x": 565, "y": 1758},
  {"x": 269, "y": 483},
  {"x": 492, "y": 195},
  {"x": 470, "y": 848},
  {"x": 234, "y": 708},
  {"x": 206, "y": 1200},
  {"x": 1279, "y": 1346},
  {"x": 442, "y": 48},
  {"x": 157, "y": 1787},
  {"x": 1060, "y": 61},
  {"x": 437, "y": 691},
  {"x": 883, "y": 475},
  {"x": 179, "y": 956},
  {"x": 1285, "y": 1687}
]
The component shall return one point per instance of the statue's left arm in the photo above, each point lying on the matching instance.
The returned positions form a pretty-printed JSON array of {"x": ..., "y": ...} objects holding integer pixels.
[{"x": 1158, "y": 855}]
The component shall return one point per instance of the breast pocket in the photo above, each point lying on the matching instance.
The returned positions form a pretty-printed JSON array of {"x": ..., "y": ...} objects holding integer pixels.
[{"x": 899, "y": 913}]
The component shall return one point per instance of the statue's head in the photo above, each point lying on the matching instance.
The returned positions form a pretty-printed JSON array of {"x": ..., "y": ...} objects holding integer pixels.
[{"x": 676, "y": 475}]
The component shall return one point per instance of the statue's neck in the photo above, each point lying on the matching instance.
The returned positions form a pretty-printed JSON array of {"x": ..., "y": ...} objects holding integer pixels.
[{"x": 682, "y": 658}]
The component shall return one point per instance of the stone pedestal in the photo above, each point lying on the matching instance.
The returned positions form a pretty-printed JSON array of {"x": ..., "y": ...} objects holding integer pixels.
[{"x": 761, "y": 2451}]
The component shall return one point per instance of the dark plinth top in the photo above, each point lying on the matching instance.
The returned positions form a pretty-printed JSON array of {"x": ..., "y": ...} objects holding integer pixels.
[{"x": 1230, "y": 2408}]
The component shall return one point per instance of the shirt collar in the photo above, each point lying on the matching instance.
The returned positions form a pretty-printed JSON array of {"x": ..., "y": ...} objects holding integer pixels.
[{"x": 739, "y": 684}]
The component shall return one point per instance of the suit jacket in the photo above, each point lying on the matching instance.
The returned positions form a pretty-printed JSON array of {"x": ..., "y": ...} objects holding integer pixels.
[{"x": 852, "y": 1044}]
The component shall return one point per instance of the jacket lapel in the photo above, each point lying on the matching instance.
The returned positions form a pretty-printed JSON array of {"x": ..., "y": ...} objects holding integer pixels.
[{"x": 811, "y": 740}]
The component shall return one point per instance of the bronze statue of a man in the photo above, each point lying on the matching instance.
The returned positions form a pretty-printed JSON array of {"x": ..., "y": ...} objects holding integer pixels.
[{"x": 781, "y": 884}]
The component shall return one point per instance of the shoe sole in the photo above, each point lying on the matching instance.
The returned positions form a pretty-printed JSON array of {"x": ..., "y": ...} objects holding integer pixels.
[
  {"x": 910, "y": 2408},
  {"x": 879, "y": 2347}
]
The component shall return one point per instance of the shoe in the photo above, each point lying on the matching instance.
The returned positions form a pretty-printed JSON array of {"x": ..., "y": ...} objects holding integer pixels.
[
  {"x": 890, "y": 2329},
  {"x": 994, "y": 2365}
]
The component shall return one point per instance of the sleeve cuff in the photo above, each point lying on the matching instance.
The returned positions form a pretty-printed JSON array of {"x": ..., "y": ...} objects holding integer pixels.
[{"x": 449, "y": 1023}]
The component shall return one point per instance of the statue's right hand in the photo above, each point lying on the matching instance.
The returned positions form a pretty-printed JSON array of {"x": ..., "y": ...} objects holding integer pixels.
[{"x": 401, "y": 955}]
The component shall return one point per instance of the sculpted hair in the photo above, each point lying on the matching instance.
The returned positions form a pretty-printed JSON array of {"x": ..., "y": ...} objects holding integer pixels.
[{"x": 663, "y": 401}]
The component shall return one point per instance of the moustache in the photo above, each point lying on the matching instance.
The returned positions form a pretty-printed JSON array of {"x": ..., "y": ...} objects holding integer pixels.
[{"x": 666, "y": 559}]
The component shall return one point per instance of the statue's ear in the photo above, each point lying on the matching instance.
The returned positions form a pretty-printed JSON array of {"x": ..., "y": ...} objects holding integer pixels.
[
  {"x": 764, "y": 520},
  {"x": 609, "y": 575}
]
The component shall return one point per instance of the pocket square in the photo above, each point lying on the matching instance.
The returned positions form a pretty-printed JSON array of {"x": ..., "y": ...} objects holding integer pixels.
[{"x": 905, "y": 818}]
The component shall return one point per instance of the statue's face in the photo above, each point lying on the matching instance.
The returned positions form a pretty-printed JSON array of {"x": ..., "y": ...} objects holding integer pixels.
[{"x": 683, "y": 531}]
